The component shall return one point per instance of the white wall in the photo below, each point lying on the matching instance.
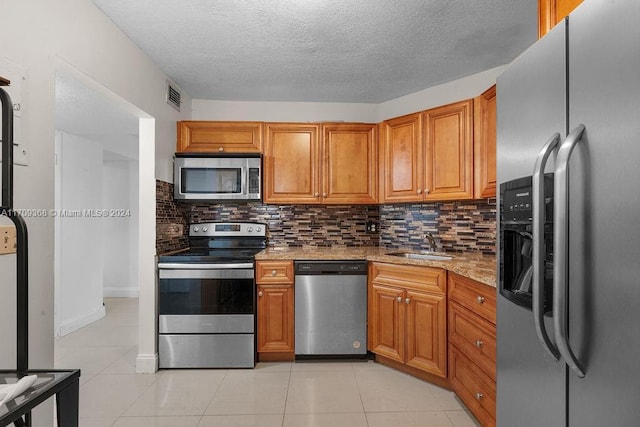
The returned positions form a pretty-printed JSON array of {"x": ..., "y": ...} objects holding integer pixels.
[
  {"x": 457, "y": 90},
  {"x": 81, "y": 236},
  {"x": 41, "y": 36},
  {"x": 446, "y": 93},
  {"x": 283, "y": 111},
  {"x": 120, "y": 232}
]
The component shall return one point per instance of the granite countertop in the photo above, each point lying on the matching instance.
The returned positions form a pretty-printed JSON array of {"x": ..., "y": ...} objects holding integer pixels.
[{"x": 474, "y": 265}]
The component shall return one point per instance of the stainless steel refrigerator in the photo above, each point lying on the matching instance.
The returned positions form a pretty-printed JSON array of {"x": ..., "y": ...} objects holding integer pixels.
[{"x": 577, "y": 293}]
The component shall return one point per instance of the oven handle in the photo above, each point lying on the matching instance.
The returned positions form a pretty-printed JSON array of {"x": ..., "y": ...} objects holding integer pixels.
[
  {"x": 195, "y": 266},
  {"x": 206, "y": 274}
]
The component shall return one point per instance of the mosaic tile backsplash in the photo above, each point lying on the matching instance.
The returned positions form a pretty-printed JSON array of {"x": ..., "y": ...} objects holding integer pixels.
[
  {"x": 456, "y": 226},
  {"x": 171, "y": 223}
]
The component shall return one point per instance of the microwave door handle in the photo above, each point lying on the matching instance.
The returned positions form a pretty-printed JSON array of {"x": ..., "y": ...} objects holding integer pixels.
[
  {"x": 245, "y": 180},
  {"x": 560, "y": 247},
  {"x": 538, "y": 202}
]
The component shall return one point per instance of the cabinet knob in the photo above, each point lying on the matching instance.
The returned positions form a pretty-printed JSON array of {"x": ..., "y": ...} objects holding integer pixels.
[
  {"x": 426, "y": 191},
  {"x": 399, "y": 299},
  {"x": 273, "y": 272},
  {"x": 479, "y": 343},
  {"x": 479, "y": 396},
  {"x": 419, "y": 191},
  {"x": 324, "y": 194},
  {"x": 316, "y": 195},
  {"x": 480, "y": 299},
  {"x": 221, "y": 149},
  {"x": 407, "y": 301},
  {"x": 260, "y": 294}
]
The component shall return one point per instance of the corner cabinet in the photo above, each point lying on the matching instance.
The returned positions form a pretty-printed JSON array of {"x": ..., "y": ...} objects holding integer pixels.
[
  {"x": 484, "y": 141},
  {"x": 219, "y": 137},
  {"x": 428, "y": 156},
  {"x": 332, "y": 163},
  {"x": 472, "y": 346},
  {"x": 407, "y": 316},
  {"x": 275, "y": 310},
  {"x": 550, "y": 12}
]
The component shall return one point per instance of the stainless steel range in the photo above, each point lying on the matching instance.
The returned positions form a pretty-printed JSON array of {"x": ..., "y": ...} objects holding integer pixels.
[{"x": 206, "y": 298}]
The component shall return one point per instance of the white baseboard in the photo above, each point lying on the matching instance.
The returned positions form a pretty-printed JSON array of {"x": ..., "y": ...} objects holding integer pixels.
[
  {"x": 113, "y": 292},
  {"x": 147, "y": 363},
  {"x": 68, "y": 326}
]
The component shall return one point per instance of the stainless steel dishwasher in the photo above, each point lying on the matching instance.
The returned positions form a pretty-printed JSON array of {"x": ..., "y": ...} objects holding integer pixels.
[{"x": 331, "y": 308}]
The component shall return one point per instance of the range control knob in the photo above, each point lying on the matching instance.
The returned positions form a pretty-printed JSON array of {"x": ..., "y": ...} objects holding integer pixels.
[
  {"x": 258, "y": 229},
  {"x": 205, "y": 229},
  {"x": 196, "y": 229},
  {"x": 249, "y": 229}
]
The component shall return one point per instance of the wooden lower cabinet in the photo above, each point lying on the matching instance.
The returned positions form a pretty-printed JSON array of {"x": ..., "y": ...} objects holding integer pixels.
[
  {"x": 407, "y": 316},
  {"x": 475, "y": 388},
  {"x": 275, "y": 310},
  {"x": 472, "y": 345}
]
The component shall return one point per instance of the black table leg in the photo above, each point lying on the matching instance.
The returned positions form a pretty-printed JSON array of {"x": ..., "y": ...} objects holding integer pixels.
[{"x": 67, "y": 405}]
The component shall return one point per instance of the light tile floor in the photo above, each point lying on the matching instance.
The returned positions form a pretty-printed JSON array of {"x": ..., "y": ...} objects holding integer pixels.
[{"x": 333, "y": 394}]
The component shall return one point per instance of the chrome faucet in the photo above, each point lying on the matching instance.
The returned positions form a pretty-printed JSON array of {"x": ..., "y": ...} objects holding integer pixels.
[{"x": 432, "y": 242}]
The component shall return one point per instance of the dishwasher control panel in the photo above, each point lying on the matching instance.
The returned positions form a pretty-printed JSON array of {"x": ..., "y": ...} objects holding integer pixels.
[{"x": 330, "y": 267}]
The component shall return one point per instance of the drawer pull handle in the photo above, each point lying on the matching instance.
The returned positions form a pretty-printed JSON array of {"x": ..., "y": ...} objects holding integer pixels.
[
  {"x": 399, "y": 299},
  {"x": 407, "y": 301},
  {"x": 260, "y": 294},
  {"x": 480, "y": 299},
  {"x": 273, "y": 272},
  {"x": 479, "y": 343},
  {"x": 479, "y": 396},
  {"x": 221, "y": 149}
]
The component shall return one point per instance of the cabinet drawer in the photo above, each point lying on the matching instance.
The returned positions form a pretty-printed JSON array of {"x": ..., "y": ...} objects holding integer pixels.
[
  {"x": 473, "y": 387},
  {"x": 474, "y": 336},
  {"x": 477, "y": 297},
  {"x": 426, "y": 279},
  {"x": 274, "y": 272}
]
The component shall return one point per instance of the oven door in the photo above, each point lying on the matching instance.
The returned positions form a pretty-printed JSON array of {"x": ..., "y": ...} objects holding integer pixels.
[{"x": 193, "y": 298}]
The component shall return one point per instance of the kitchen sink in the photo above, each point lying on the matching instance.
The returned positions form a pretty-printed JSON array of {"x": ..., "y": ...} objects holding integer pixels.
[{"x": 432, "y": 256}]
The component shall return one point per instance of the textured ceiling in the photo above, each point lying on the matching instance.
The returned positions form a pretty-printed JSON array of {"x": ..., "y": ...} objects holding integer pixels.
[
  {"x": 82, "y": 111},
  {"x": 323, "y": 50}
]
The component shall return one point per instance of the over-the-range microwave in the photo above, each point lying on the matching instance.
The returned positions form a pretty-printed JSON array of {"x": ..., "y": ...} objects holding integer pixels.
[{"x": 208, "y": 176}]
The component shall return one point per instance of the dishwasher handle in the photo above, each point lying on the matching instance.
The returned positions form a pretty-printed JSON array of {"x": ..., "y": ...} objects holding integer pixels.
[{"x": 316, "y": 268}]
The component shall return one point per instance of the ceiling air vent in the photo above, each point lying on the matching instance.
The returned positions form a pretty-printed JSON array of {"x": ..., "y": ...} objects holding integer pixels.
[{"x": 173, "y": 96}]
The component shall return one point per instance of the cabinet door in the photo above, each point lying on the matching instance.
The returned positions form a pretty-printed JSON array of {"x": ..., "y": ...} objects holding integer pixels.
[
  {"x": 484, "y": 144},
  {"x": 448, "y": 137},
  {"x": 291, "y": 163},
  {"x": 402, "y": 168},
  {"x": 550, "y": 12},
  {"x": 275, "y": 318},
  {"x": 386, "y": 321},
  {"x": 219, "y": 137},
  {"x": 426, "y": 332},
  {"x": 350, "y": 164}
]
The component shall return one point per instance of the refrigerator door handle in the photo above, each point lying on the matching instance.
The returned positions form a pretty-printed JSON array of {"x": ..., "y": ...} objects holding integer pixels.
[
  {"x": 561, "y": 253},
  {"x": 538, "y": 202}
]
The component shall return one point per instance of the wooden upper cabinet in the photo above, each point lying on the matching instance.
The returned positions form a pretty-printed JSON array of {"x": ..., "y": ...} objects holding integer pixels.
[
  {"x": 484, "y": 126},
  {"x": 314, "y": 163},
  {"x": 448, "y": 138},
  {"x": 349, "y": 164},
  {"x": 291, "y": 163},
  {"x": 219, "y": 137},
  {"x": 550, "y": 12},
  {"x": 402, "y": 169}
]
